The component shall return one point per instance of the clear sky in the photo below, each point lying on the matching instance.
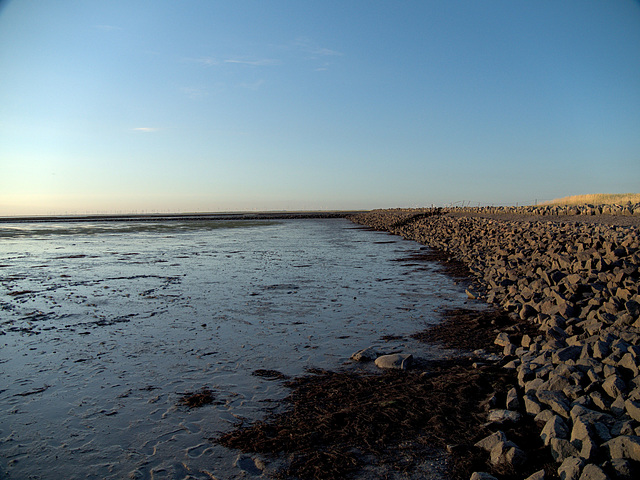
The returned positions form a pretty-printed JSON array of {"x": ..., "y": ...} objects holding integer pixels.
[{"x": 203, "y": 105}]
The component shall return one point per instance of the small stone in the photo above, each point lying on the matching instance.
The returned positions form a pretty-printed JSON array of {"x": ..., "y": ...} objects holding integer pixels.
[
  {"x": 502, "y": 340},
  {"x": 368, "y": 354},
  {"x": 503, "y": 416},
  {"x": 397, "y": 361}
]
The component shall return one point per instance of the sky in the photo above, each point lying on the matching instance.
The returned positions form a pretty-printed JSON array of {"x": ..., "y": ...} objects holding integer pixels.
[{"x": 209, "y": 106}]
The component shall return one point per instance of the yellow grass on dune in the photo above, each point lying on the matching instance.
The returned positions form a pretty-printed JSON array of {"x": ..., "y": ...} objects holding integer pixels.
[{"x": 596, "y": 199}]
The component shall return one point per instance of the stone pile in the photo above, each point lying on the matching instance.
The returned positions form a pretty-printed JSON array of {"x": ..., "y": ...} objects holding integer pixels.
[
  {"x": 628, "y": 209},
  {"x": 579, "y": 283}
]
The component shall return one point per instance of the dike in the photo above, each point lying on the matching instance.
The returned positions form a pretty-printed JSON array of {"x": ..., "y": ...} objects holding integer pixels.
[{"x": 578, "y": 282}]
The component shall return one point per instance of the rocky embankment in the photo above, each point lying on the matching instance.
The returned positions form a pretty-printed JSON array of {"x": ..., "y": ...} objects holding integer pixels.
[{"x": 579, "y": 283}]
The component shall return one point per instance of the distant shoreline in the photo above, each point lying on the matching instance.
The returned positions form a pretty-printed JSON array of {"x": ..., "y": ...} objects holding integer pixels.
[{"x": 152, "y": 217}]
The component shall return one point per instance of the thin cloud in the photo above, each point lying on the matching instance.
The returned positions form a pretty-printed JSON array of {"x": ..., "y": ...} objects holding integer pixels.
[
  {"x": 310, "y": 47},
  {"x": 145, "y": 129},
  {"x": 207, "y": 61},
  {"x": 265, "y": 62}
]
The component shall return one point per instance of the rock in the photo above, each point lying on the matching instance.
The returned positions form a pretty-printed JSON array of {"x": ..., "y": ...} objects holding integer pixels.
[
  {"x": 531, "y": 405},
  {"x": 617, "y": 406},
  {"x": 589, "y": 449},
  {"x": 633, "y": 308},
  {"x": 491, "y": 441},
  {"x": 539, "y": 475},
  {"x": 593, "y": 472},
  {"x": 633, "y": 409},
  {"x": 580, "y": 432},
  {"x": 628, "y": 363},
  {"x": 622, "y": 427},
  {"x": 544, "y": 416},
  {"x": 554, "y": 428},
  {"x": 567, "y": 353},
  {"x": 503, "y": 416},
  {"x": 512, "y": 402},
  {"x": 482, "y": 476},
  {"x": 502, "y": 340},
  {"x": 614, "y": 386},
  {"x": 368, "y": 354},
  {"x": 507, "y": 454},
  {"x": 624, "y": 446},
  {"x": 527, "y": 311},
  {"x": 623, "y": 469},
  {"x": 571, "y": 468},
  {"x": 398, "y": 361},
  {"x": 556, "y": 400},
  {"x": 562, "y": 449}
]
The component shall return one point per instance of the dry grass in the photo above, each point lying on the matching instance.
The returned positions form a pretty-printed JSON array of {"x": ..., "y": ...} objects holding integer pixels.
[{"x": 597, "y": 199}]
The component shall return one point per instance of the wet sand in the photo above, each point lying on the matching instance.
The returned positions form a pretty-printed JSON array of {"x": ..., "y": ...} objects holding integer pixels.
[{"x": 106, "y": 327}]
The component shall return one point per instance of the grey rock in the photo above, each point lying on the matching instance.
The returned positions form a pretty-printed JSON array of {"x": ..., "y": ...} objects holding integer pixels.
[
  {"x": 614, "y": 385},
  {"x": 633, "y": 409},
  {"x": 567, "y": 353},
  {"x": 633, "y": 308},
  {"x": 570, "y": 468},
  {"x": 623, "y": 469},
  {"x": 593, "y": 472},
  {"x": 624, "y": 446},
  {"x": 599, "y": 401},
  {"x": 508, "y": 454},
  {"x": 622, "y": 427},
  {"x": 554, "y": 428},
  {"x": 562, "y": 449},
  {"x": 512, "y": 402},
  {"x": 398, "y": 361},
  {"x": 556, "y": 400},
  {"x": 533, "y": 386},
  {"x": 589, "y": 449},
  {"x": 618, "y": 406},
  {"x": 539, "y": 475},
  {"x": 531, "y": 405},
  {"x": 482, "y": 476},
  {"x": 628, "y": 362},
  {"x": 544, "y": 416},
  {"x": 491, "y": 441},
  {"x": 503, "y": 416},
  {"x": 368, "y": 354},
  {"x": 502, "y": 340}
]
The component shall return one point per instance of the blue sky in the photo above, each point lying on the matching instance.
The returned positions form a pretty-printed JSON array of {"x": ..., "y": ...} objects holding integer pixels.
[{"x": 126, "y": 106}]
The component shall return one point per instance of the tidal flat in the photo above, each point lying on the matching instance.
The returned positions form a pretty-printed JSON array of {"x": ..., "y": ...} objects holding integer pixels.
[{"x": 106, "y": 326}]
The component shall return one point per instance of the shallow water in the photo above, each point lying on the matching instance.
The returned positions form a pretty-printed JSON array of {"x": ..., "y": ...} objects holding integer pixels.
[{"x": 103, "y": 326}]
